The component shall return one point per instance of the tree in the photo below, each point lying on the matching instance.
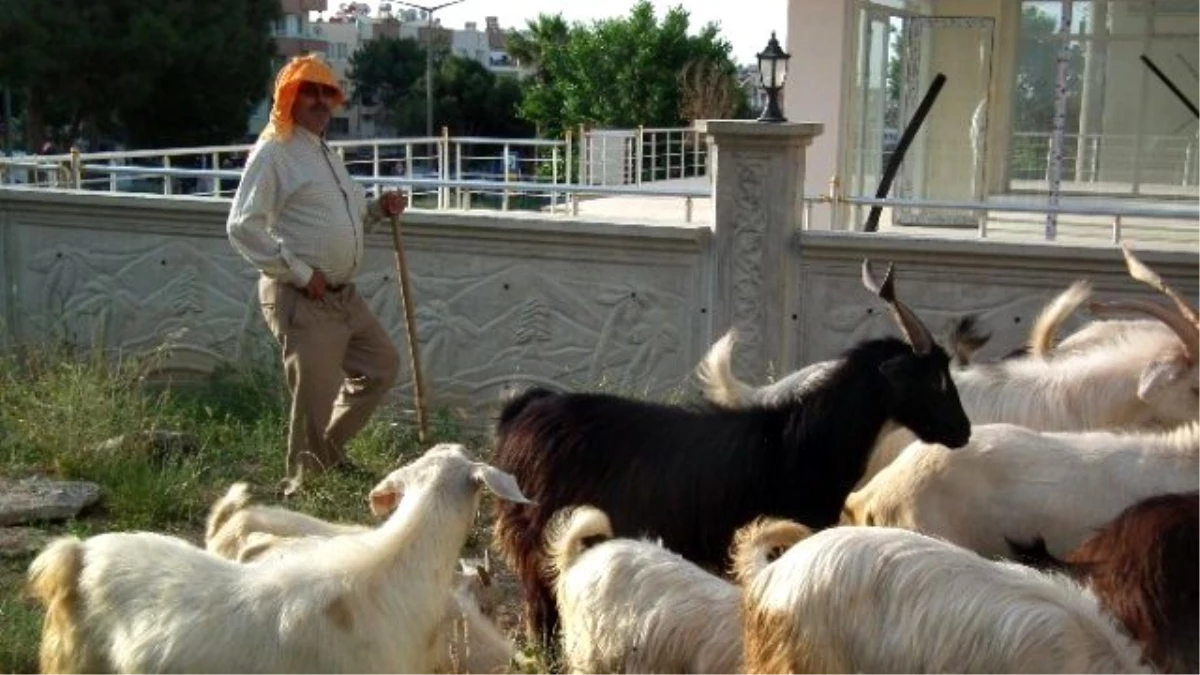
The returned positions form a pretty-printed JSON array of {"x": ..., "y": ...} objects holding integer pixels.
[
  {"x": 615, "y": 72},
  {"x": 468, "y": 98},
  {"x": 1033, "y": 94},
  {"x": 167, "y": 73},
  {"x": 472, "y": 101},
  {"x": 387, "y": 72},
  {"x": 708, "y": 91}
]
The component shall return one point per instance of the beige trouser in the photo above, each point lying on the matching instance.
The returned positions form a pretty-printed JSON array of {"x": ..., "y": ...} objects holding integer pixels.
[{"x": 339, "y": 363}]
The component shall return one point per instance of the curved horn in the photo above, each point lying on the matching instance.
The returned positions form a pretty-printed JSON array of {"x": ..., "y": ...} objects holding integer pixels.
[
  {"x": 1189, "y": 333},
  {"x": 1139, "y": 271},
  {"x": 914, "y": 331}
]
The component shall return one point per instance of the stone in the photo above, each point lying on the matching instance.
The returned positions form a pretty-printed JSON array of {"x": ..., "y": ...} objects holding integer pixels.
[
  {"x": 156, "y": 444},
  {"x": 38, "y": 498}
]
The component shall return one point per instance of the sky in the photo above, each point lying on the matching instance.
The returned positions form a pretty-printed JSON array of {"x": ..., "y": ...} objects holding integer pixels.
[{"x": 746, "y": 29}]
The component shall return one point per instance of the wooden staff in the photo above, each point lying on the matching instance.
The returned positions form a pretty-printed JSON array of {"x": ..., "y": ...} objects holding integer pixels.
[{"x": 410, "y": 323}]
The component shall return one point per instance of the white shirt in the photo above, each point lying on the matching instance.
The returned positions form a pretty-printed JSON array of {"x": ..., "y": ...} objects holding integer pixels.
[{"x": 297, "y": 209}]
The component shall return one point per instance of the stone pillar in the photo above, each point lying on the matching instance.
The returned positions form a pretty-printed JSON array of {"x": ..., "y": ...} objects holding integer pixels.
[{"x": 758, "y": 200}]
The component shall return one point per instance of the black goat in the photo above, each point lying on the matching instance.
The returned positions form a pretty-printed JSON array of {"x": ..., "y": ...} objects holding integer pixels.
[{"x": 693, "y": 476}]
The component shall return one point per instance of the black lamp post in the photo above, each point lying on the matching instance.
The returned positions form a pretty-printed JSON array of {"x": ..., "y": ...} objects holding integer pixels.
[{"x": 772, "y": 71}]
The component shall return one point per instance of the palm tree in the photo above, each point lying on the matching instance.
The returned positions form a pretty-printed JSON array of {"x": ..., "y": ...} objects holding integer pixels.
[{"x": 542, "y": 36}]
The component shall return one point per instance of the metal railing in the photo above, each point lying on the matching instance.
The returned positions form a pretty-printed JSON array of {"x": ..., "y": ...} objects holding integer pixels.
[
  {"x": 1161, "y": 159},
  {"x": 441, "y": 172},
  {"x": 592, "y": 157},
  {"x": 847, "y": 212}
]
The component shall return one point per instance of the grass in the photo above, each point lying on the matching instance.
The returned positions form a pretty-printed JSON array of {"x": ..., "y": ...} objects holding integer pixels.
[{"x": 58, "y": 404}]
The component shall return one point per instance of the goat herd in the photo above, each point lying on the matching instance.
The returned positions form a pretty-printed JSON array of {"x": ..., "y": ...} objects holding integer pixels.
[{"x": 889, "y": 511}]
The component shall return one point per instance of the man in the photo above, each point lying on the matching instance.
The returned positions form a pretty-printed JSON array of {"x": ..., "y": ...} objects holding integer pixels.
[{"x": 299, "y": 218}]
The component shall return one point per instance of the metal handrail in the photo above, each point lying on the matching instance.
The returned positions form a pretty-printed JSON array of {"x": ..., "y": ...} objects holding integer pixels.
[{"x": 1079, "y": 210}]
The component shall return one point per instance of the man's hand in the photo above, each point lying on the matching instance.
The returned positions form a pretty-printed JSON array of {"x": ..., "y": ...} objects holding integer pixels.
[
  {"x": 392, "y": 203},
  {"x": 315, "y": 290}
]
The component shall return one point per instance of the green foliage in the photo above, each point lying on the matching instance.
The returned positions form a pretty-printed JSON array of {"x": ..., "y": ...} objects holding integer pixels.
[
  {"x": 467, "y": 97},
  {"x": 1033, "y": 93},
  {"x": 20, "y": 623},
  {"x": 385, "y": 71},
  {"x": 57, "y": 404},
  {"x": 618, "y": 72},
  {"x": 473, "y": 101},
  {"x": 147, "y": 74}
]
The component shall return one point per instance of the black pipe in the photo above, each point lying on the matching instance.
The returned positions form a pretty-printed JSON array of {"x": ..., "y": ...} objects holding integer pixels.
[
  {"x": 906, "y": 138},
  {"x": 1170, "y": 85}
]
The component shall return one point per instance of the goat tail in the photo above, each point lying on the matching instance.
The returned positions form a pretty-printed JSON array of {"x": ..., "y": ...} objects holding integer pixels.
[
  {"x": 223, "y": 509},
  {"x": 760, "y": 542},
  {"x": 715, "y": 372},
  {"x": 571, "y": 532},
  {"x": 53, "y": 581},
  {"x": 1045, "y": 329}
]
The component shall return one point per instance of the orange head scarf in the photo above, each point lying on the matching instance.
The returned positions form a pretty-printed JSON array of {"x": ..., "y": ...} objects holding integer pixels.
[{"x": 307, "y": 68}]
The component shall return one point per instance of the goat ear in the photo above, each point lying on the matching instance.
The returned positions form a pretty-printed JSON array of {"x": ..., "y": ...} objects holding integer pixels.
[
  {"x": 894, "y": 369},
  {"x": 385, "y": 496},
  {"x": 1160, "y": 374},
  {"x": 501, "y": 484}
]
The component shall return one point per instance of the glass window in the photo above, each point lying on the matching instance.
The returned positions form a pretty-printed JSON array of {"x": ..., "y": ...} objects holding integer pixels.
[{"x": 1125, "y": 130}]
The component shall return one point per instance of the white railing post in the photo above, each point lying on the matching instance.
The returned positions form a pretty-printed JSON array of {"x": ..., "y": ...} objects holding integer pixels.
[
  {"x": 444, "y": 168},
  {"x": 667, "y": 172},
  {"x": 553, "y": 177},
  {"x": 76, "y": 169},
  {"x": 504, "y": 202},
  {"x": 458, "y": 192},
  {"x": 641, "y": 140},
  {"x": 166, "y": 178},
  {"x": 375, "y": 166},
  {"x": 570, "y": 143},
  {"x": 654, "y": 156},
  {"x": 585, "y": 162},
  {"x": 113, "y": 186},
  {"x": 216, "y": 166},
  {"x": 408, "y": 167}
]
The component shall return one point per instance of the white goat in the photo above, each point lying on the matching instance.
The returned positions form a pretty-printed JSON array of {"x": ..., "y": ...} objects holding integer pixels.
[
  {"x": 633, "y": 606},
  {"x": 233, "y": 519},
  {"x": 882, "y": 600},
  {"x": 245, "y": 532},
  {"x": 470, "y": 641},
  {"x": 1009, "y": 481},
  {"x": 1100, "y": 333},
  {"x": 1123, "y": 374},
  {"x": 366, "y": 602}
]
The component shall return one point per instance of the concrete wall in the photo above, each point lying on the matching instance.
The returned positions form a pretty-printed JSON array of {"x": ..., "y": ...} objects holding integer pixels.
[
  {"x": 1006, "y": 284},
  {"x": 561, "y": 301},
  {"x": 576, "y": 304}
]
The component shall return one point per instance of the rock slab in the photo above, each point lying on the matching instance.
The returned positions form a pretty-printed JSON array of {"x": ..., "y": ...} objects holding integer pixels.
[{"x": 37, "y": 499}]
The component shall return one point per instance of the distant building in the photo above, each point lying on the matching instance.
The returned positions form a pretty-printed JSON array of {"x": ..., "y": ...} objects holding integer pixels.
[
  {"x": 293, "y": 35},
  {"x": 340, "y": 35}
]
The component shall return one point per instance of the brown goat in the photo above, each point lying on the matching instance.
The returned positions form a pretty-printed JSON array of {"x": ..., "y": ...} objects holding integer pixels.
[{"x": 1142, "y": 567}]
